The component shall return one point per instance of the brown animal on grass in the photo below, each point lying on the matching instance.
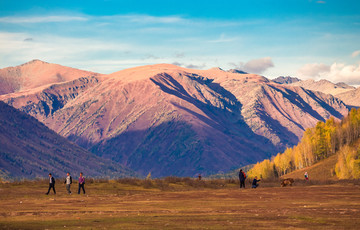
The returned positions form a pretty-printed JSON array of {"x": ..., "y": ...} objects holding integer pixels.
[{"x": 287, "y": 181}]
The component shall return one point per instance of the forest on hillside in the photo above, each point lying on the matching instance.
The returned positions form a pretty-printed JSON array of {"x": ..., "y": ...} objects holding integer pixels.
[{"x": 324, "y": 140}]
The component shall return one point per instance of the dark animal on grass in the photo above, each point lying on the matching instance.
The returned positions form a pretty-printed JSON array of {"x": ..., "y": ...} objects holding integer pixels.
[{"x": 287, "y": 181}]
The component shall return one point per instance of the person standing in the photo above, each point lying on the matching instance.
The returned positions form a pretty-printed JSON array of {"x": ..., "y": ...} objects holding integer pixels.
[
  {"x": 242, "y": 178},
  {"x": 68, "y": 182},
  {"x": 306, "y": 176},
  {"x": 81, "y": 183},
  {"x": 51, "y": 184},
  {"x": 254, "y": 183}
]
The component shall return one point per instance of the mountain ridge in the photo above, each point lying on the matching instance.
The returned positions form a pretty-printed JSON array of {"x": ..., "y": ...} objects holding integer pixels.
[
  {"x": 29, "y": 150},
  {"x": 286, "y": 80},
  {"x": 37, "y": 73},
  {"x": 170, "y": 120},
  {"x": 325, "y": 86}
]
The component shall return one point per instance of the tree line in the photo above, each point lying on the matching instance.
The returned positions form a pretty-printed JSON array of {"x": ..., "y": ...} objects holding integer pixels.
[{"x": 325, "y": 139}]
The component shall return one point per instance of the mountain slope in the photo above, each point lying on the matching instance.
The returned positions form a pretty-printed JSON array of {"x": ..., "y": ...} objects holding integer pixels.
[
  {"x": 323, "y": 170},
  {"x": 351, "y": 98},
  {"x": 29, "y": 149},
  {"x": 336, "y": 141},
  {"x": 325, "y": 86},
  {"x": 286, "y": 80},
  {"x": 172, "y": 123},
  {"x": 280, "y": 112},
  {"x": 37, "y": 73},
  {"x": 170, "y": 120}
]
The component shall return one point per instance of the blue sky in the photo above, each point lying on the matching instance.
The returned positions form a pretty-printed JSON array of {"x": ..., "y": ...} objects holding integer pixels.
[{"x": 302, "y": 38}]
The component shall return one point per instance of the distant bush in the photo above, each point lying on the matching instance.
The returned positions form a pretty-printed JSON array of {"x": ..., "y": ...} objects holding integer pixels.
[
  {"x": 147, "y": 184},
  {"x": 173, "y": 179},
  {"x": 129, "y": 181},
  {"x": 162, "y": 184}
]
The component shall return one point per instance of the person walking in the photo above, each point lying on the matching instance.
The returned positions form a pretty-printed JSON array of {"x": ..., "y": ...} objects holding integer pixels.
[
  {"x": 254, "y": 183},
  {"x": 81, "y": 183},
  {"x": 68, "y": 182},
  {"x": 242, "y": 177},
  {"x": 51, "y": 184}
]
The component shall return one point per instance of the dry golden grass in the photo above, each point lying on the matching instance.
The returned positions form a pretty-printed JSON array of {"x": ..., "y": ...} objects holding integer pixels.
[
  {"x": 321, "y": 171},
  {"x": 128, "y": 205}
]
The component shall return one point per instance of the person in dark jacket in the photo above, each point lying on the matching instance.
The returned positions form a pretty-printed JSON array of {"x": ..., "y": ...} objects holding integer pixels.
[
  {"x": 68, "y": 182},
  {"x": 81, "y": 183},
  {"x": 242, "y": 178},
  {"x": 51, "y": 184},
  {"x": 255, "y": 183}
]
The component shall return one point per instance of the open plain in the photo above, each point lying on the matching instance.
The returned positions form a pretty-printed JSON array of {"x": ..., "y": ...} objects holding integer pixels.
[{"x": 190, "y": 204}]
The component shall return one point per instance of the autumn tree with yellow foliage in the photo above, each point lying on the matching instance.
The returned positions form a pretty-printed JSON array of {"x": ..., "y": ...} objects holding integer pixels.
[{"x": 318, "y": 143}]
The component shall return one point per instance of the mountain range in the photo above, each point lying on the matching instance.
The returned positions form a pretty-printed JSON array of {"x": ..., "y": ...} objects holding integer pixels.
[
  {"x": 348, "y": 94},
  {"x": 29, "y": 149},
  {"x": 169, "y": 120}
]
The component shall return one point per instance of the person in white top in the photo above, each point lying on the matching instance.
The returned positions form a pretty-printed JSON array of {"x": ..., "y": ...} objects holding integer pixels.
[{"x": 68, "y": 182}]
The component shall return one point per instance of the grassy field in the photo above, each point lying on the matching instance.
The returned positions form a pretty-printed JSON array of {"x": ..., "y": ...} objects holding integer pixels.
[{"x": 180, "y": 204}]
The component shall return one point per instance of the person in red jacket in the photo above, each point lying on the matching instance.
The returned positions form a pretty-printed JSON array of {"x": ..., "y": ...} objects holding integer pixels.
[{"x": 242, "y": 177}]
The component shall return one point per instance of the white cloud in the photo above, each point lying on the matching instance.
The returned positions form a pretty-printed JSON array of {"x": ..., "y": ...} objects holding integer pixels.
[
  {"x": 223, "y": 39},
  {"x": 190, "y": 66},
  {"x": 145, "y": 19},
  {"x": 313, "y": 70},
  {"x": 345, "y": 73},
  {"x": 355, "y": 53},
  {"x": 84, "y": 53},
  {"x": 41, "y": 19},
  {"x": 257, "y": 66},
  {"x": 337, "y": 72},
  {"x": 53, "y": 48}
]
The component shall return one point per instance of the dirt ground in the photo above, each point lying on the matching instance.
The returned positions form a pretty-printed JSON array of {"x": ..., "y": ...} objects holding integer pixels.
[{"x": 119, "y": 206}]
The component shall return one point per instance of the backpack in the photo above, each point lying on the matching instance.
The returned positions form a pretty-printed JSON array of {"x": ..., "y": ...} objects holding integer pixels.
[{"x": 244, "y": 175}]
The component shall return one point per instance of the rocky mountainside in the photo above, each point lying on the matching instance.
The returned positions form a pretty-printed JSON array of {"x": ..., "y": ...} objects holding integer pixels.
[
  {"x": 325, "y": 86},
  {"x": 29, "y": 149},
  {"x": 351, "y": 98},
  {"x": 237, "y": 71},
  {"x": 286, "y": 80},
  {"x": 37, "y": 73},
  {"x": 169, "y": 120},
  {"x": 346, "y": 93}
]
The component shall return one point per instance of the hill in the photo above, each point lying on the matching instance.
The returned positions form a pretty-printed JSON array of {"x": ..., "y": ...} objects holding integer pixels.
[
  {"x": 169, "y": 120},
  {"x": 325, "y": 86},
  {"x": 37, "y": 73},
  {"x": 346, "y": 93},
  {"x": 286, "y": 80},
  {"x": 29, "y": 149},
  {"x": 351, "y": 98},
  {"x": 237, "y": 71},
  {"x": 338, "y": 142},
  {"x": 323, "y": 170}
]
